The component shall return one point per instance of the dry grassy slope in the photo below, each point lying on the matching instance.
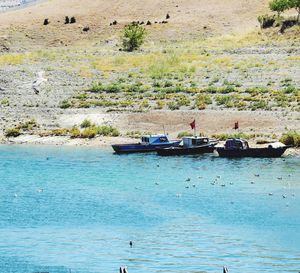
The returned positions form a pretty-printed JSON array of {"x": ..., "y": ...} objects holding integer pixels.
[{"x": 188, "y": 18}]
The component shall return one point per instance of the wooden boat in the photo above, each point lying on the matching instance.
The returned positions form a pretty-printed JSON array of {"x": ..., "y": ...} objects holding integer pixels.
[
  {"x": 190, "y": 146},
  {"x": 240, "y": 148},
  {"x": 148, "y": 144}
]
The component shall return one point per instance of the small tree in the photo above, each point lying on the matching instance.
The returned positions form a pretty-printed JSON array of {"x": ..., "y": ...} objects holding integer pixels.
[
  {"x": 295, "y": 4},
  {"x": 133, "y": 37},
  {"x": 279, "y": 6}
]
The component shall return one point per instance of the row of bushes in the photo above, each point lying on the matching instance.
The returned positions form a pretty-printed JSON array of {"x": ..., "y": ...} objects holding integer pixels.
[{"x": 87, "y": 132}]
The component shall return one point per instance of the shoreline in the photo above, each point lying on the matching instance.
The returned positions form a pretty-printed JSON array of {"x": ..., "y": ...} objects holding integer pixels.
[
  {"x": 22, "y": 6},
  {"x": 97, "y": 142}
]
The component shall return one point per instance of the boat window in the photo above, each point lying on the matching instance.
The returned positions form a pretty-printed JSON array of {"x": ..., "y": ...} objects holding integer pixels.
[
  {"x": 145, "y": 139},
  {"x": 163, "y": 139}
]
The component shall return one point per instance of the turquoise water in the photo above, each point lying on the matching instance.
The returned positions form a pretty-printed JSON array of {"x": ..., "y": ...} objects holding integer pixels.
[{"x": 74, "y": 209}]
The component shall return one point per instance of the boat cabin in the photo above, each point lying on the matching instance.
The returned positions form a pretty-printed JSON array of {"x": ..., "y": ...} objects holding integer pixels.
[
  {"x": 236, "y": 144},
  {"x": 194, "y": 141},
  {"x": 155, "y": 139}
]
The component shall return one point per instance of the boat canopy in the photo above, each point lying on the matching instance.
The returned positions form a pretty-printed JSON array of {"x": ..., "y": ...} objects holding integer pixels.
[
  {"x": 155, "y": 139},
  {"x": 194, "y": 141},
  {"x": 236, "y": 144}
]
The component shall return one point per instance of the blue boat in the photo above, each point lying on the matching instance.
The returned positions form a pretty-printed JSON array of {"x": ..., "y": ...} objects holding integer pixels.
[{"x": 148, "y": 144}]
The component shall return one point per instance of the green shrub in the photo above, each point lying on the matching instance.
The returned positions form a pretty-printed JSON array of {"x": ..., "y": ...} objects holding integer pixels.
[
  {"x": 184, "y": 134},
  {"x": 86, "y": 123},
  {"x": 65, "y": 104},
  {"x": 12, "y": 132},
  {"x": 202, "y": 100},
  {"x": 279, "y": 6},
  {"x": 107, "y": 131},
  {"x": 75, "y": 132},
  {"x": 173, "y": 105},
  {"x": 133, "y": 37},
  {"x": 160, "y": 104},
  {"x": 59, "y": 132},
  {"x": 223, "y": 137},
  {"x": 291, "y": 138},
  {"x": 4, "y": 102},
  {"x": 89, "y": 132}
]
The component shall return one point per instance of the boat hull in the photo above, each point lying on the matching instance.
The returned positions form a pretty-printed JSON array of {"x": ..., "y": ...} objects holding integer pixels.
[
  {"x": 177, "y": 151},
  {"x": 252, "y": 152},
  {"x": 141, "y": 148}
]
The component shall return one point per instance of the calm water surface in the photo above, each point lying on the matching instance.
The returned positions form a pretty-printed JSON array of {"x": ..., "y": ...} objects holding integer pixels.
[{"x": 76, "y": 209}]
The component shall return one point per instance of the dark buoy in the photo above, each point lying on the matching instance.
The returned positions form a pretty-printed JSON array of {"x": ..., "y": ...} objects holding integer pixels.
[{"x": 131, "y": 244}]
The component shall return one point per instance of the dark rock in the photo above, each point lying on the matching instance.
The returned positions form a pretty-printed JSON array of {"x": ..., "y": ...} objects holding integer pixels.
[
  {"x": 67, "y": 20},
  {"x": 287, "y": 24},
  {"x": 168, "y": 16},
  {"x": 148, "y": 23},
  {"x": 86, "y": 29},
  {"x": 46, "y": 22},
  {"x": 73, "y": 20},
  {"x": 141, "y": 23}
]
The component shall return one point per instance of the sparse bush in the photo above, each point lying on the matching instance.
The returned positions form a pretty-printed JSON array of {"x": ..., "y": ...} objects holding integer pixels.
[
  {"x": 65, "y": 104},
  {"x": 75, "y": 132},
  {"x": 86, "y": 123},
  {"x": 133, "y": 37},
  {"x": 107, "y": 131},
  {"x": 12, "y": 132},
  {"x": 89, "y": 132},
  {"x": 223, "y": 137},
  {"x": 173, "y": 105},
  {"x": 160, "y": 104},
  {"x": 202, "y": 101},
  {"x": 4, "y": 102},
  {"x": 59, "y": 132},
  {"x": 291, "y": 138}
]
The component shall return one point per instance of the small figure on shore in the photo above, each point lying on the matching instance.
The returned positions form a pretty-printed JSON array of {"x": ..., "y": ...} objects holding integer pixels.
[
  {"x": 168, "y": 16},
  {"x": 131, "y": 244}
]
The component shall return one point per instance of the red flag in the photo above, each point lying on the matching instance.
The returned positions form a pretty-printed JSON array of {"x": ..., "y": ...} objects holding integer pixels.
[
  {"x": 236, "y": 125},
  {"x": 193, "y": 124}
]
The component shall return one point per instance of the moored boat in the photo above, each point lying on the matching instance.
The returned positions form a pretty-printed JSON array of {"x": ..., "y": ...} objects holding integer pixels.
[
  {"x": 148, "y": 144},
  {"x": 240, "y": 148},
  {"x": 190, "y": 146}
]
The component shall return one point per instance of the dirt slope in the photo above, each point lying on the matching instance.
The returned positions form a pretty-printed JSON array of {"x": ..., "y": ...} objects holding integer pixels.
[{"x": 188, "y": 19}]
